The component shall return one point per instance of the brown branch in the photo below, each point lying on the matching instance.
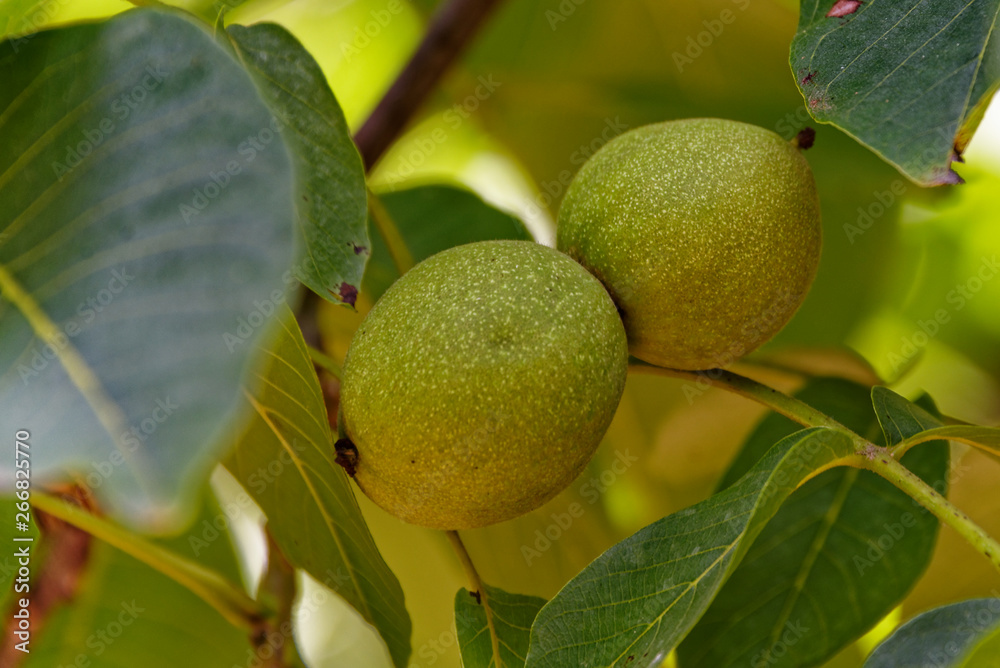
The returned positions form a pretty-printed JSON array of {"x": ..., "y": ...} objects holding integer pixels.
[
  {"x": 62, "y": 561},
  {"x": 274, "y": 641},
  {"x": 450, "y": 32}
]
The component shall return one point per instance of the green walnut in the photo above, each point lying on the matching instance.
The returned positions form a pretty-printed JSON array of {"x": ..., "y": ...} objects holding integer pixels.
[
  {"x": 706, "y": 232},
  {"x": 481, "y": 383}
]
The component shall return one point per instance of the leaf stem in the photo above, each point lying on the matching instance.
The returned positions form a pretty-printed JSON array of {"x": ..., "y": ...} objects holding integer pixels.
[
  {"x": 477, "y": 588},
  {"x": 867, "y": 455},
  {"x": 900, "y": 476},
  {"x": 227, "y": 598},
  {"x": 387, "y": 229},
  {"x": 779, "y": 402},
  {"x": 325, "y": 362}
]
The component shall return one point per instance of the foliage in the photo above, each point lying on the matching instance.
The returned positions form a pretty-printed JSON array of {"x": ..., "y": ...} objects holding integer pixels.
[{"x": 170, "y": 176}]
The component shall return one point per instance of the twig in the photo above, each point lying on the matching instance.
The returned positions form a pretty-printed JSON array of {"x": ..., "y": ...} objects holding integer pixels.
[
  {"x": 779, "y": 402},
  {"x": 226, "y": 597},
  {"x": 325, "y": 362},
  {"x": 900, "y": 476},
  {"x": 402, "y": 259},
  {"x": 450, "y": 32},
  {"x": 477, "y": 589}
]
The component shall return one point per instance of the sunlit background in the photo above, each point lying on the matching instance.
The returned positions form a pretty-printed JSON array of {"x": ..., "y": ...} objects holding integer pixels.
[{"x": 548, "y": 82}]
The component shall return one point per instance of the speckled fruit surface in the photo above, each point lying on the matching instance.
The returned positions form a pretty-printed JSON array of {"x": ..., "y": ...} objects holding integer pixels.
[
  {"x": 481, "y": 383},
  {"x": 706, "y": 232}
]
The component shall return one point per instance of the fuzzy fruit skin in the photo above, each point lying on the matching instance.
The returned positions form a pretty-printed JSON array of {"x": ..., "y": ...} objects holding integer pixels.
[
  {"x": 706, "y": 232},
  {"x": 481, "y": 383}
]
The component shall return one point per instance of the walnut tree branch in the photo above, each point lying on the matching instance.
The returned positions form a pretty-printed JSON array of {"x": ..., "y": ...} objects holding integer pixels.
[{"x": 450, "y": 32}]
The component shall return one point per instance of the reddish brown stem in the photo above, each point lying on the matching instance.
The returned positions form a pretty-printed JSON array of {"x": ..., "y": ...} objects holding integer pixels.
[
  {"x": 450, "y": 32},
  {"x": 62, "y": 561}
]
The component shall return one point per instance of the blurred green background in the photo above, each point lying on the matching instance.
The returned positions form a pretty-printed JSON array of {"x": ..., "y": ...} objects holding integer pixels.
[{"x": 904, "y": 281}]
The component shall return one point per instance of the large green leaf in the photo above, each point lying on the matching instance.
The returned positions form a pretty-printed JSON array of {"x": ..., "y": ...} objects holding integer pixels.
[
  {"x": 841, "y": 552},
  {"x": 909, "y": 79},
  {"x": 635, "y": 602},
  {"x": 128, "y": 614},
  {"x": 285, "y": 460},
  {"x": 141, "y": 249},
  {"x": 961, "y": 635},
  {"x": 330, "y": 195},
  {"x": 431, "y": 219},
  {"x": 512, "y": 617}
]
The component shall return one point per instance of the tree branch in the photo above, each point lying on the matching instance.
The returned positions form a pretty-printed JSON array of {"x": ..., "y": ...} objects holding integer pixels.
[
  {"x": 450, "y": 32},
  {"x": 65, "y": 553}
]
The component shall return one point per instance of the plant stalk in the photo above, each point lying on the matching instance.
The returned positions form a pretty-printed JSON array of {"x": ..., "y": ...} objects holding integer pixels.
[
  {"x": 900, "y": 476},
  {"x": 402, "y": 259},
  {"x": 792, "y": 408},
  {"x": 477, "y": 589},
  {"x": 867, "y": 455},
  {"x": 227, "y": 598}
]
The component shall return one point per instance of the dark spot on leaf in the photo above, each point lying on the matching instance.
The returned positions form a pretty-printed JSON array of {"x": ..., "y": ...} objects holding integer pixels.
[
  {"x": 843, "y": 8},
  {"x": 476, "y": 595},
  {"x": 956, "y": 153},
  {"x": 805, "y": 139},
  {"x": 413, "y": 461},
  {"x": 358, "y": 250},
  {"x": 305, "y": 198},
  {"x": 347, "y": 455},
  {"x": 347, "y": 294},
  {"x": 945, "y": 176},
  {"x": 807, "y": 79}
]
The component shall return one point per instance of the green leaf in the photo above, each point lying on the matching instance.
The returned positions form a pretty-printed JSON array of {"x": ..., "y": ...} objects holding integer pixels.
[
  {"x": 285, "y": 460},
  {"x": 840, "y": 553},
  {"x": 899, "y": 417},
  {"x": 960, "y": 635},
  {"x": 635, "y": 602},
  {"x": 910, "y": 80},
  {"x": 986, "y": 439},
  {"x": 140, "y": 249},
  {"x": 128, "y": 614},
  {"x": 512, "y": 618},
  {"x": 16, "y": 17},
  {"x": 459, "y": 217},
  {"x": 330, "y": 194}
]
